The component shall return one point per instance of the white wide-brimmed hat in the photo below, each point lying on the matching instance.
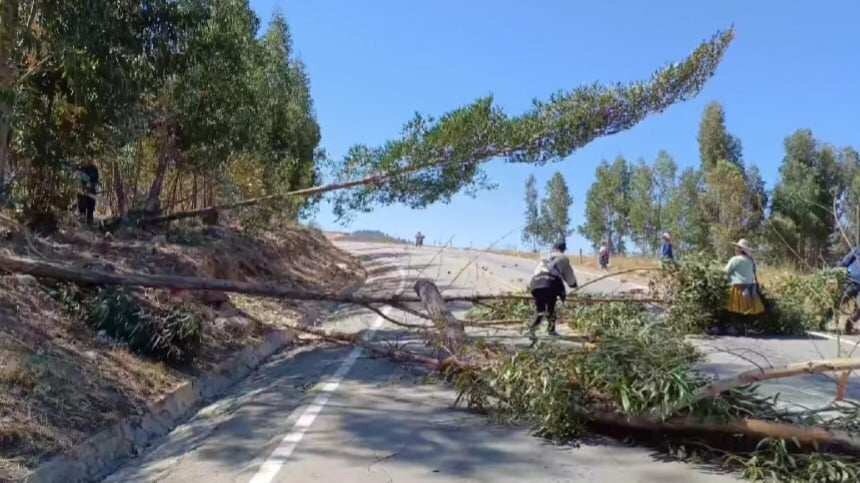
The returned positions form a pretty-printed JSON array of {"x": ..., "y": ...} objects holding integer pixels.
[
  {"x": 667, "y": 236},
  {"x": 744, "y": 245}
]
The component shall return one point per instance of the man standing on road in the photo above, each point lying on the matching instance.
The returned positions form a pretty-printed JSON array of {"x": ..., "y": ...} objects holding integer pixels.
[
  {"x": 419, "y": 239},
  {"x": 852, "y": 285},
  {"x": 547, "y": 285}
]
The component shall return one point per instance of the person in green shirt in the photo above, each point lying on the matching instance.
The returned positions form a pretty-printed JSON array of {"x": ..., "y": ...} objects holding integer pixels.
[{"x": 744, "y": 296}]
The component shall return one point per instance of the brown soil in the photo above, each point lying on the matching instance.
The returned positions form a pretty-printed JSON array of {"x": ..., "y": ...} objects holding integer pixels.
[{"x": 60, "y": 382}]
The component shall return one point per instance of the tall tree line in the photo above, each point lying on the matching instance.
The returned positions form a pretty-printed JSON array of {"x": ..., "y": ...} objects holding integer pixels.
[
  {"x": 547, "y": 222},
  {"x": 180, "y": 103},
  {"x": 810, "y": 217}
]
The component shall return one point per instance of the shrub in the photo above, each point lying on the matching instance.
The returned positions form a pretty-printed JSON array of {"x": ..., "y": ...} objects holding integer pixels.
[
  {"x": 696, "y": 291},
  {"x": 173, "y": 335},
  {"x": 808, "y": 301}
]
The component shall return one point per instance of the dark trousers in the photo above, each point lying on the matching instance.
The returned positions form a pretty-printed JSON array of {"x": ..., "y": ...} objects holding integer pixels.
[
  {"x": 852, "y": 289},
  {"x": 86, "y": 207},
  {"x": 545, "y": 299}
]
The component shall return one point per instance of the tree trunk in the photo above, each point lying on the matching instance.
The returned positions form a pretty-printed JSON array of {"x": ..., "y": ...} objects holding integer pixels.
[
  {"x": 167, "y": 153},
  {"x": 119, "y": 191},
  {"x": 449, "y": 327},
  {"x": 757, "y": 429},
  {"x": 8, "y": 80}
]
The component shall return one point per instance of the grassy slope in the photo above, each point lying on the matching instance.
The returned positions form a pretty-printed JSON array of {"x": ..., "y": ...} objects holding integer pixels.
[{"x": 60, "y": 382}]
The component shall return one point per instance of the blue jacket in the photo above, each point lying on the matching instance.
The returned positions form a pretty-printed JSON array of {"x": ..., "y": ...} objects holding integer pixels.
[
  {"x": 852, "y": 263},
  {"x": 666, "y": 252}
]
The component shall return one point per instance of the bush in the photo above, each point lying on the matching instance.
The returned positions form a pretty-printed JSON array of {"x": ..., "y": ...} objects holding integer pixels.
[
  {"x": 172, "y": 335},
  {"x": 808, "y": 301},
  {"x": 697, "y": 292}
]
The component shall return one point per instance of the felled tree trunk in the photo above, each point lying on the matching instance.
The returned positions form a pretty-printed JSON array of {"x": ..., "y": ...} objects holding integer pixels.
[
  {"x": 756, "y": 429},
  {"x": 450, "y": 329}
]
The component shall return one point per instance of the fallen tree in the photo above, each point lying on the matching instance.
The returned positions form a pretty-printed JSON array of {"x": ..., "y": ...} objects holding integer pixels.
[
  {"x": 71, "y": 273},
  {"x": 435, "y": 159},
  {"x": 810, "y": 437}
]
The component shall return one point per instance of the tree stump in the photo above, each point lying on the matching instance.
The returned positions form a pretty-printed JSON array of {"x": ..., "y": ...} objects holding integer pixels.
[{"x": 450, "y": 329}]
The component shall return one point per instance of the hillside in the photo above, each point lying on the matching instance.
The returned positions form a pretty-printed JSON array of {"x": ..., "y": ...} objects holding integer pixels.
[{"x": 62, "y": 379}]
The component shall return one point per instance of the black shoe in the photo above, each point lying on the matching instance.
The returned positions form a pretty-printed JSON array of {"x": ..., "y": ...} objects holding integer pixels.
[{"x": 552, "y": 333}]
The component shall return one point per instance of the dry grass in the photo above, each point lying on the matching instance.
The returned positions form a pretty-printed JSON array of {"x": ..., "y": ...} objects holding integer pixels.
[{"x": 60, "y": 383}]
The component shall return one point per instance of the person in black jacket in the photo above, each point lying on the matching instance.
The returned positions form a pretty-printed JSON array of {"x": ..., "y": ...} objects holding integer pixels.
[
  {"x": 851, "y": 262},
  {"x": 547, "y": 287},
  {"x": 89, "y": 175}
]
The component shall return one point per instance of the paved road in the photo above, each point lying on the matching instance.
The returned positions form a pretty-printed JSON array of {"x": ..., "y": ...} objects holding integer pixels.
[{"x": 333, "y": 414}]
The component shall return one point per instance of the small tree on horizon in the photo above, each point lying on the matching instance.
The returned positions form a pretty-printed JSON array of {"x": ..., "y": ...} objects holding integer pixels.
[
  {"x": 554, "y": 223},
  {"x": 531, "y": 230}
]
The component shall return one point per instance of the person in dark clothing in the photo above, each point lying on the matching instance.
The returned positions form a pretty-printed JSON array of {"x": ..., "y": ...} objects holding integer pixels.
[
  {"x": 547, "y": 287},
  {"x": 851, "y": 262},
  {"x": 603, "y": 256},
  {"x": 89, "y": 175},
  {"x": 667, "y": 254}
]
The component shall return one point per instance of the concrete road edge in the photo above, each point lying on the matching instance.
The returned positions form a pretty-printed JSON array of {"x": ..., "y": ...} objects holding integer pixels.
[{"x": 105, "y": 451}]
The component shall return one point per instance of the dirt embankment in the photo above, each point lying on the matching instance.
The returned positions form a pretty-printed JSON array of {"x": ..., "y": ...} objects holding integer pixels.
[{"x": 62, "y": 381}]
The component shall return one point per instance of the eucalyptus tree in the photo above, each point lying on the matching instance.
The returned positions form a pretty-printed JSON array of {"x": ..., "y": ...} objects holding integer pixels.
[{"x": 437, "y": 158}]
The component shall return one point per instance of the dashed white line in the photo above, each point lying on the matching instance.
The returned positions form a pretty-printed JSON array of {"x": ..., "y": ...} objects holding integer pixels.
[{"x": 276, "y": 460}]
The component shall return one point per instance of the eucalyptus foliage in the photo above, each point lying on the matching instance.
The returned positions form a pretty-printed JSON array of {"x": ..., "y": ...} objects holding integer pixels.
[{"x": 437, "y": 158}]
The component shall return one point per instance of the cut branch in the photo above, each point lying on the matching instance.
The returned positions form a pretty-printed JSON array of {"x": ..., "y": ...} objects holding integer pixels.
[{"x": 758, "y": 375}]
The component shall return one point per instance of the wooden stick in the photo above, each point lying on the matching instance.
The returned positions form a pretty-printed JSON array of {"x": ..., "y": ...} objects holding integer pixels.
[{"x": 758, "y": 375}]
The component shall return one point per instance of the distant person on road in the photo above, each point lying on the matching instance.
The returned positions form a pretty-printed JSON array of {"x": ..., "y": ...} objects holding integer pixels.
[
  {"x": 419, "y": 239},
  {"x": 667, "y": 254},
  {"x": 744, "y": 297},
  {"x": 603, "y": 256},
  {"x": 852, "y": 285},
  {"x": 547, "y": 286}
]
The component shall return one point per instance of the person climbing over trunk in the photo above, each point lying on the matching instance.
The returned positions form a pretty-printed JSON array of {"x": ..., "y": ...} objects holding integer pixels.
[{"x": 547, "y": 287}]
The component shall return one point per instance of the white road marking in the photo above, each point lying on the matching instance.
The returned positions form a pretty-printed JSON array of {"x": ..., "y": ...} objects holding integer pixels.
[
  {"x": 276, "y": 460},
  {"x": 843, "y": 340}
]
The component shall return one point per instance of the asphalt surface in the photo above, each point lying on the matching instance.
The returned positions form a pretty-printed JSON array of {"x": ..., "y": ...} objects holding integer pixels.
[{"x": 334, "y": 414}]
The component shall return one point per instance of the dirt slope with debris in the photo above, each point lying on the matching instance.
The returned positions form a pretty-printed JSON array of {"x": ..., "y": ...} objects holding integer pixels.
[{"x": 61, "y": 381}]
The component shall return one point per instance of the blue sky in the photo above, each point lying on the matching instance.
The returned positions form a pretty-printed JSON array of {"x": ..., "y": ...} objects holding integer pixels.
[{"x": 373, "y": 64}]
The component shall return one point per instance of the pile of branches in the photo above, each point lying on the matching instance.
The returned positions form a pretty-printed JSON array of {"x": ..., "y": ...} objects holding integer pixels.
[{"x": 638, "y": 378}]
